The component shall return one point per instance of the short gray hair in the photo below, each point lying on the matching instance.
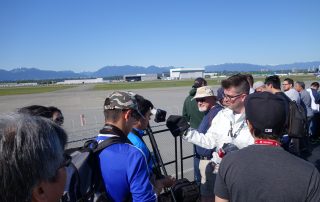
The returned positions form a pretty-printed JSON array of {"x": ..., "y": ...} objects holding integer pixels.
[
  {"x": 301, "y": 84},
  {"x": 31, "y": 151}
]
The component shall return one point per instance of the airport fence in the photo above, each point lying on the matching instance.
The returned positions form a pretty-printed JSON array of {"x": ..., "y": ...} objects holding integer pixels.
[{"x": 165, "y": 141}]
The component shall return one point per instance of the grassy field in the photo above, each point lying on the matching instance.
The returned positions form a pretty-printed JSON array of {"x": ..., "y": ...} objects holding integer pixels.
[
  {"x": 133, "y": 85},
  {"x": 150, "y": 84},
  {"x": 31, "y": 89},
  {"x": 180, "y": 83},
  {"x": 303, "y": 77}
]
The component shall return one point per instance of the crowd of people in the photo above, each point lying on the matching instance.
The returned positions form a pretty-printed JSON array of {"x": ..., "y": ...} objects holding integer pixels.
[
  {"x": 241, "y": 149},
  {"x": 252, "y": 114}
]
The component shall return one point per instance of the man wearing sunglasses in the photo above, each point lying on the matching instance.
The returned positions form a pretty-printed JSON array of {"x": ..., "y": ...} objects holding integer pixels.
[
  {"x": 194, "y": 116},
  {"x": 229, "y": 125},
  {"x": 206, "y": 101}
]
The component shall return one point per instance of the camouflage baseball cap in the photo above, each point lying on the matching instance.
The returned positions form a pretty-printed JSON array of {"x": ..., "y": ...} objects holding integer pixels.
[{"x": 121, "y": 100}]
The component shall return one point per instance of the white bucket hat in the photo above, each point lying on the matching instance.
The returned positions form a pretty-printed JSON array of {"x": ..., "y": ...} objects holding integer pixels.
[{"x": 204, "y": 91}]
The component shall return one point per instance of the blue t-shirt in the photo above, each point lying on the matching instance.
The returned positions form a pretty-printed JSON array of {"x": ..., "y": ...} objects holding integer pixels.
[
  {"x": 136, "y": 141},
  {"x": 125, "y": 172}
]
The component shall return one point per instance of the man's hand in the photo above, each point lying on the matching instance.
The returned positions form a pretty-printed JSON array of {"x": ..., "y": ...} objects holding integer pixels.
[
  {"x": 177, "y": 125},
  {"x": 168, "y": 181},
  {"x": 218, "y": 199}
]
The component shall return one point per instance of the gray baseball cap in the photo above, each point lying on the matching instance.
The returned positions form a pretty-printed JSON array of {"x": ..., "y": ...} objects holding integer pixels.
[{"x": 121, "y": 100}]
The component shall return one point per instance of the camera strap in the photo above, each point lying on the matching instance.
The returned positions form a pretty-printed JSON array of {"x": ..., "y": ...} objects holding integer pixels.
[
  {"x": 109, "y": 129},
  {"x": 234, "y": 135}
]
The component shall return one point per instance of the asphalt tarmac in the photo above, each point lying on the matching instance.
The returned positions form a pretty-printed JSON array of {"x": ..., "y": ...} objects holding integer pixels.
[{"x": 83, "y": 102}]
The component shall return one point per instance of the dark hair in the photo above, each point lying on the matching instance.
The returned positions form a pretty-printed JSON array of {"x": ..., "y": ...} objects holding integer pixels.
[
  {"x": 277, "y": 133},
  {"x": 46, "y": 112},
  {"x": 273, "y": 80},
  {"x": 112, "y": 115},
  {"x": 301, "y": 83},
  {"x": 250, "y": 79},
  {"x": 58, "y": 119},
  {"x": 144, "y": 106},
  {"x": 238, "y": 81},
  {"x": 267, "y": 114},
  {"x": 31, "y": 151},
  {"x": 36, "y": 110},
  {"x": 315, "y": 84},
  {"x": 290, "y": 81},
  {"x": 198, "y": 82},
  {"x": 54, "y": 109}
]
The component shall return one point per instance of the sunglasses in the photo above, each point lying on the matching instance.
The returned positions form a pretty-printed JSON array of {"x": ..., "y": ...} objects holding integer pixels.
[
  {"x": 200, "y": 99},
  {"x": 59, "y": 120}
]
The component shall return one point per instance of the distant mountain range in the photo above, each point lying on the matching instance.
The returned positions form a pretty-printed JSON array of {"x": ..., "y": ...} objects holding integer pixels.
[
  {"x": 251, "y": 67},
  {"x": 109, "y": 71}
]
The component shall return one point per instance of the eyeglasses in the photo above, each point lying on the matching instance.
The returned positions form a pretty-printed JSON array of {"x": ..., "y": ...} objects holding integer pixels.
[
  {"x": 200, "y": 99},
  {"x": 59, "y": 120},
  {"x": 230, "y": 97}
]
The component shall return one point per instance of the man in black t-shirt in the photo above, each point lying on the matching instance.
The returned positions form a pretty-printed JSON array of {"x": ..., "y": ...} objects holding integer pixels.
[
  {"x": 273, "y": 85},
  {"x": 265, "y": 171}
]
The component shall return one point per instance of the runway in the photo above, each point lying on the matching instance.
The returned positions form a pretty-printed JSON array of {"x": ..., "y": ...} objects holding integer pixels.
[{"x": 81, "y": 100}]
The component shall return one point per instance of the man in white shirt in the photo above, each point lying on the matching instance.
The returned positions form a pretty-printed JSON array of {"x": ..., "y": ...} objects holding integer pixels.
[
  {"x": 315, "y": 99},
  {"x": 229, "y": 125}
]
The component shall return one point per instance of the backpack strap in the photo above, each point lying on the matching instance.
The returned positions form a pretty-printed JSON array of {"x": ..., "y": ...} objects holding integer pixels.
[
  {"x": 108, "y": 142},
  {"x": 119, "y": 137}
]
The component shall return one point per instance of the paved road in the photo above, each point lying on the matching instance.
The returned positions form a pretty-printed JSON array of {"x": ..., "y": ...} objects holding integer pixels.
[{"x": 81, "y": 100}]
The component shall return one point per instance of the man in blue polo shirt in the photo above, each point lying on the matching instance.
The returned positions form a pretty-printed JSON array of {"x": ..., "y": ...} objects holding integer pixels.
[
  {"x": 124, "y": 167},
  {"x": 136, "y": 138}
]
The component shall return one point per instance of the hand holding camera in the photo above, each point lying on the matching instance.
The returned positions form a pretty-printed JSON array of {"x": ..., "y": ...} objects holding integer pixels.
[{"x": 177, "y": 125}]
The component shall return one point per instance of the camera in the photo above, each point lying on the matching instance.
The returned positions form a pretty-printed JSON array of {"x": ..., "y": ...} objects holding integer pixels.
[
  {"x": 226, "y": 148},
  {"x": 159, "y": 115}
]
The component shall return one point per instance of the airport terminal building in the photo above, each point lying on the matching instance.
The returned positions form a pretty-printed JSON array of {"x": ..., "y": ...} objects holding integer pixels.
[
  {"x": 82, "y": 81},
  {"x": 140, "y": 77},
  {"x": 186, "y": 73}
]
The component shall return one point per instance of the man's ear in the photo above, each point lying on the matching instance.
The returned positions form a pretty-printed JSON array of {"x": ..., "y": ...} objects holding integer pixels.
[
  {"x": 38, "y": 193},
  {"x": 127, "y": 114},
  {"x": 244, "y": 97},
  {"x": 250, "y": 128}
]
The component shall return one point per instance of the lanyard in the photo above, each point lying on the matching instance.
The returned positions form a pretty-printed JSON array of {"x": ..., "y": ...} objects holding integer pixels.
[
  {"x": 234, "y": 135},
  {"x": 267, "y": 142}
]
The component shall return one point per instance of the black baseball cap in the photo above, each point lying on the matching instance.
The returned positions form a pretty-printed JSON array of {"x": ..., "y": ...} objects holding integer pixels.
[{"x": 266, "y": 112}]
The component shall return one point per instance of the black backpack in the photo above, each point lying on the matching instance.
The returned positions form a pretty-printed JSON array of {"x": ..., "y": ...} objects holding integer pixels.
[
  {"x": 84, "y": 181},
  {"x": 297, "y": 120},
  {"x": 185, "y": 191}
]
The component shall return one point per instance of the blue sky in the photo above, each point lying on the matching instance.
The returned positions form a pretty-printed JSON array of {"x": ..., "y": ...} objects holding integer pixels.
[{"x": 83, "y": 35}]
